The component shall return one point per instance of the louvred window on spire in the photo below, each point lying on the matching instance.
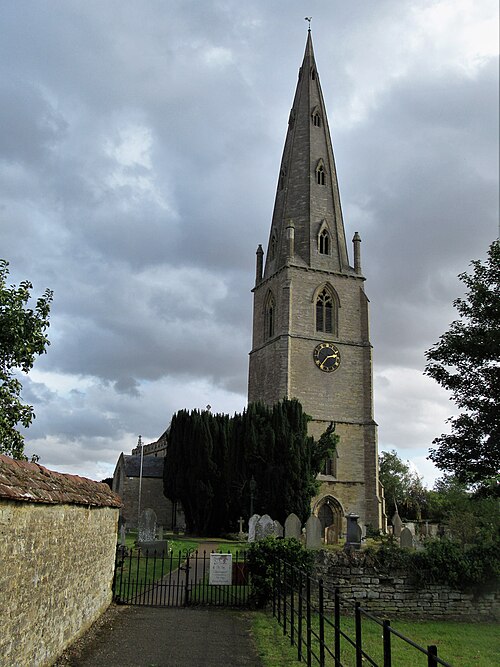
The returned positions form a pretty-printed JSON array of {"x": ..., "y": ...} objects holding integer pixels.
[
  {"x": 324, "y": 243},
  {"x": 320, "y": 173},
  {"x": 270, "y": 316}
]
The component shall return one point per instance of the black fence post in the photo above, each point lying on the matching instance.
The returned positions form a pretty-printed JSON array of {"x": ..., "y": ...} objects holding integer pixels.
[
  {"x": 321, "y": 624},
  {"x": 186, "y": 585},
  {"x": 275, "y": 585},
  {"x": 387, "y": 643},
  {"x": 308, "y": 620},
  {"x": 432, "y": 654},
  {"x": 359, "y": 645},
  {"x": 337, "y": 626},
  {"x": 285, "y": 584},
  {"x": 299, "y": 619},
  {"x": 278, "y": 592}
]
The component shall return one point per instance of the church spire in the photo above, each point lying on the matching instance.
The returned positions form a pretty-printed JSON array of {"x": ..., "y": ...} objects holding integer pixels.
[{"x": 307, "y": 195}]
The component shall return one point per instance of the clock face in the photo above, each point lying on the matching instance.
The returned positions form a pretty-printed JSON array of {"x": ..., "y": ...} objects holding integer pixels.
[{"x": 326, "y": 357}]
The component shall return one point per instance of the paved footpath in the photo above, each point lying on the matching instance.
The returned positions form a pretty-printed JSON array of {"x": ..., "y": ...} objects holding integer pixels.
[
  {"x": 140, "y": 636},
  {"x": 169, "y": 637}
]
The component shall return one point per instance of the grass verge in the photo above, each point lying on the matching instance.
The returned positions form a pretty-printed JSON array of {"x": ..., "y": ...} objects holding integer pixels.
[{"x": 460, "y": 644}]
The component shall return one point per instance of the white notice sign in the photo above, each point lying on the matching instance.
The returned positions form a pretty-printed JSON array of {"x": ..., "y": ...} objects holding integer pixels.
[{"x": 221, "y": 569}]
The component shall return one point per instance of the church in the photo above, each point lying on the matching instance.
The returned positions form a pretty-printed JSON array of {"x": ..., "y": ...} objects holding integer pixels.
[
  {"x": 310, "y": 313},
  {"x": 310, "y": 320}
]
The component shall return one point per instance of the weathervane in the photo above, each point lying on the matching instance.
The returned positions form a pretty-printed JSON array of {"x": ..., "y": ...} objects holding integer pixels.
[{"x": 308, "y": 18}]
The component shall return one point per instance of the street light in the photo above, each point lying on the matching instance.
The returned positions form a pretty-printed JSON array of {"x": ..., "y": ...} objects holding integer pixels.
[
  {"x": 253, "y": 487},
  {"x": 139, "y": 444}
]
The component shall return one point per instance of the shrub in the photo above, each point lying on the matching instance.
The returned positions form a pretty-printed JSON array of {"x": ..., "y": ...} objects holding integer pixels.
[{"x": 261, "y": 557}]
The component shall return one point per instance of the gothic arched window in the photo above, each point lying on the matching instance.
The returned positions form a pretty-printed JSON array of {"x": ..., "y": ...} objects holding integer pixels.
[
  {"x": 324, "y": 312},
  {"x": 320, "y": 175},
  {"x": 324, "y": 242},
  {"x": 316, "y": 117},
  {"x": 270, "y": 316}
]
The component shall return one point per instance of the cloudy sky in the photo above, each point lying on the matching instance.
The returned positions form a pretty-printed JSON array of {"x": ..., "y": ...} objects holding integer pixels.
[{"x": 140, "y": 144}]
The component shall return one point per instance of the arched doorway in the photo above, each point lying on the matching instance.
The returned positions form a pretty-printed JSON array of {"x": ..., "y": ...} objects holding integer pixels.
[{"x": 329, "y": 512}]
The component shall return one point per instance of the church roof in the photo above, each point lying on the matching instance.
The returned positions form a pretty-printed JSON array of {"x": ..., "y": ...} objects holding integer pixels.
[
  {"x": 152, "y": 466},
  {"x": 307, "y": 195}
]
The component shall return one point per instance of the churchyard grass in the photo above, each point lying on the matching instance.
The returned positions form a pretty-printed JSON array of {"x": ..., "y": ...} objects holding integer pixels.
[
  {"x": 145, "y": 570},
  {"x": 460, "y": 644}
]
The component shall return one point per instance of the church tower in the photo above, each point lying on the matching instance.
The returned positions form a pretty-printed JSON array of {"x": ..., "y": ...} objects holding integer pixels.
[{"x": 310, "y": 318}]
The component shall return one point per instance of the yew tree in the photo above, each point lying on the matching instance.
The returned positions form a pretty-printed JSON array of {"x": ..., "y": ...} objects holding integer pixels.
[
  {"x": 22, "y": 338},
  {"x": 466, "y": 361}
]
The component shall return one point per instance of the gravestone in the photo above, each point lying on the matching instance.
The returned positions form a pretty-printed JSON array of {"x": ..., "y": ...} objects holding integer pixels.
[
  {"x": 146, "y": 539},
  {"x": 353, "y": 539},
  {"x": 252, "y": 522},
  {"x": 160, "y": 533},
  {"x": 313, "y": 532},
  {"x": 293, "y": 526},
  {"x": 147, "y": 526},
  {"x": 331, "y": 535},
  {"x": 278, "y": 529},
  {"x": 122, "y": 535},
  {"x": 240, "y": 523},
  {"x": 406, "y": 538},
  {"x": 397, "y": 524},
  {"x": 264, "y": 527}
]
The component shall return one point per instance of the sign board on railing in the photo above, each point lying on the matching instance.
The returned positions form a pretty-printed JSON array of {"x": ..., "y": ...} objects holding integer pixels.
[{"x": 221, "y": 569}]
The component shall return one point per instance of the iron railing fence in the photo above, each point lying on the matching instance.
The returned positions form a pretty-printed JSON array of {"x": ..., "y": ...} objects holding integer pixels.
[
  {"x": 176, "y": 579},
  {"x": 325, "y": 636}
]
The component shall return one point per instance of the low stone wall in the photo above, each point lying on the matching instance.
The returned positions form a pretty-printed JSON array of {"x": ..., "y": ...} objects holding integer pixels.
[
  {"x": 57, "y": 550},
  {"x": 394, "y": 594}
]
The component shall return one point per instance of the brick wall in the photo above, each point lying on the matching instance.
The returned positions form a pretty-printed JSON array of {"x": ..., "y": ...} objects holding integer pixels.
[
  {"x": 57, "y": 547},
  {"x": 393, "y": 594}
]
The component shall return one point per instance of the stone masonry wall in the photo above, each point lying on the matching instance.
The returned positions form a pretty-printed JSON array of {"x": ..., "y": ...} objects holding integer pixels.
[
  {"x": 57, "y": 550},
  {"x": 393, "y": 594}
]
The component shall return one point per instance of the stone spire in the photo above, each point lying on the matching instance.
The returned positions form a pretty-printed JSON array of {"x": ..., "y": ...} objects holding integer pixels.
[{"x": 307, "y": 191}]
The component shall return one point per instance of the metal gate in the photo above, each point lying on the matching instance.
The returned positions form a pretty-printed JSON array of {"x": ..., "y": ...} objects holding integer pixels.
[{"x": 175, "y": 580}]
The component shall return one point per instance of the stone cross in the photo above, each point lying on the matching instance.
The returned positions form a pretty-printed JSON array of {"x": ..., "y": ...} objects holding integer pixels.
[{"x": 240, "y": 521}]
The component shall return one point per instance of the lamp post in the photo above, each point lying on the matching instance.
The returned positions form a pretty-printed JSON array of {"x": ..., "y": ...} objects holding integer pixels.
[
  {"x": 139, "y": 444},
  {"x": 253, "y": 486}
]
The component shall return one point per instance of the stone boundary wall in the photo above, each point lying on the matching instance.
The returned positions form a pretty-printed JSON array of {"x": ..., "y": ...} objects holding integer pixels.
[
  {"x": 393, "y": 594},
  {"x": 57, "y": 551}
]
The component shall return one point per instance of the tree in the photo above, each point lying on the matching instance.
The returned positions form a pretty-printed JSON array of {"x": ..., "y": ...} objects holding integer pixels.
[
  {"x": 212, "y": 458},
  {"x": 466, "y": 361},
  {"x": 22, "y": 338},
  {"x": 402, "y": 487}
]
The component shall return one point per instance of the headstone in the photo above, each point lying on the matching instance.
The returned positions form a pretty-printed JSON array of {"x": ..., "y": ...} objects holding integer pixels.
[
  {"x": 278, "y": 529},
  {"x": 264, "y": 527},
  {"x": 331, "y": 535},
  {"x": 397, "y": 524},
  {"x": 353, "y": 539},
  {"x": 293, "y": 526},
  {"x": 411, "y": 527},
  {"x": 252, "y": 522},
  {"x": 147, "y": 526},
  {"x": 160, "y": 533},
  {"x": 122, "y": 535},
  {"x": 406, "y": 538},
  {"x": 240, "y": 523},
  {"x": 313, "y": 532}
]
